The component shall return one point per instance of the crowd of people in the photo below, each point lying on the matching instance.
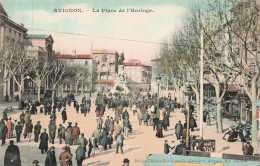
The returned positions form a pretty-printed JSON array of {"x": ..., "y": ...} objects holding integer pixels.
[{"x": 109, "y": 129}]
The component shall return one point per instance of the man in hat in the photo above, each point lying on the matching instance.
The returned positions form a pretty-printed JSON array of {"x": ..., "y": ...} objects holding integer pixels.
[
  {"x": 119, "y": 142},
  {"x": 75, "y": 133},
  {"x": 3, "y": 133},
  {"x": 51, "y": 157},
  {"x": 35, "y": 163},
  {"x": 64, "y": 115},
  {"x": 178, "y": 130},
  {"x": 22, "y": 118},
  {"x": 44, "y": 141},
  {"x": 83, "y": 142},
  {"x": 2, "y": 123},
  {"x": 52, "y": 131},
  {"x": 19, "y": 130},
  {"x": 12, "y": 155},
  {"x": 107, "y": 123},
  {"x": 37, "y": 131},
  {"x": 61, "y": 133},
  {"x": 80, "y": 155},
  {"x": 126, "y": 162},
  {"x": 103, "y": 139},
  {"x": 29, "y": 128},
  {"x": 68, "y": 139},
  {"x": 64, "y": 157}
]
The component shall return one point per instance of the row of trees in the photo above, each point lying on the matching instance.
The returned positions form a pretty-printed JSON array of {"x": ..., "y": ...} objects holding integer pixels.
[
  {"x": 227, "y": 33},
  {"x": 19, "y": 63}
]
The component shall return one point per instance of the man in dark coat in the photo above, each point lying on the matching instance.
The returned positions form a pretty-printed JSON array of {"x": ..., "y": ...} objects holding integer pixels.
[
  {"x": 166, "y": 147},
  {"x": 68, "y": 137},
  {"x": 193, "y": 123},
  {"x": 19, "y": 130},
  {"x": 178, "y": 130},
  {"x": 2, "y": 123},
  {"x": 166, "y": 122},
  {"x": 44, "y": 141},
  {"x": 37, "y": 131},
  {"x": 125, "y": 114},
  {"x": 205, "y": 114},
  {"x": 12, "y": 155},
  {"x": 22, "y": 118},
  {"x": 29, "y": 128},
  {"x": 85, "y": 110},
  {"x": 51, "y": 158},
  {"x": 52, "y": 131},
  {"x": 180, "y": 148},
  {"x": 103, "y": 138},
  {"x": 107, "y": 123},
  {"x": 155, "y": 122},
  {"x": 61, "y": 133},
  {"x": 3, "y": 134},
  {"x": 80, "y": 155},
  {"x": 64, "y": 115}
]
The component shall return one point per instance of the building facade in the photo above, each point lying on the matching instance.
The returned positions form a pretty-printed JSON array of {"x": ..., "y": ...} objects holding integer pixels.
[
  {"x": 10, "y": 32},
  {"x": 138, "y": 75},
  {"x": 106, "y": 69},
  {"x": 83, "y": 61}
]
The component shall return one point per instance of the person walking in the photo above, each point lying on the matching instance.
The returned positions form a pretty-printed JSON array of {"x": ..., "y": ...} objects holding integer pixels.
[
  {"x": 80, "y": 155},
  {"x": 110, "y": 140},
  {"x": 12, "y": 155},
  {"x": 52, "y": 131},
  {"x": 9, "y": 128},
  {"x": 19, "y": 130},
  {"x": 61, "y": 133},
  {"x": 29, "y": 128},
  {"x": 37, "y": 131},
  {"x": 75, "y": 134},
  {"x": 178, "y": 130},
  {"x": 99, "y": 123},
  {"x": 64, "y": 158},
  {"x": 83, "y": 143},
  {"x": 119, "y": 142},
  {"x": 103, "y": 139},
  {"x": 64, "y": 115},
  {"x": 146, "y": 118},
  {"x": 51, "y": 157},
  {"x": 43, "y": 141},
  {"x": 3, "y": 134},
  {"x": 126, "y": 126},
  {"x": 111, "y": 125},
  {"x": 91, "y": 146},
  {"x": 68, "y": 138}
]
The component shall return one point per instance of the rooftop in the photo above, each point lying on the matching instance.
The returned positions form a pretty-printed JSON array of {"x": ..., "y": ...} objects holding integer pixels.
[
  {"x": 135, "y": 64},
  {"x": 36, "y": 36},
  {"x": 69, "y": 56}
]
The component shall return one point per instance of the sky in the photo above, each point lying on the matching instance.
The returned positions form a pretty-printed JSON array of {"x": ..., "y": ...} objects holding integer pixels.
[{"x": 156, "y": 26}]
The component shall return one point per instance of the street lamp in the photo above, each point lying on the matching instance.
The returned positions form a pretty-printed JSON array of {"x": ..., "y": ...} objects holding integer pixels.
[
  {"x": 188, "y": 93},
  {"x": 158, "y": 80},
  {"x": 28, "y": 78}
]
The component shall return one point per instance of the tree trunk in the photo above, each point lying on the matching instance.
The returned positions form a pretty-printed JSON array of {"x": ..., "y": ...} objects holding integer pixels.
[
  {"x": 76, "y": 87},
  {"x": 219, "y": 114},
  {"x": 70, "y": 88},
  {"x": 52, "y": 94},
  {"x": 39, "y": 91},
  {"x": 20, "y": 92},
  {"x": 62, "y": 90},
  {"x": 254, "y": 120}
]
